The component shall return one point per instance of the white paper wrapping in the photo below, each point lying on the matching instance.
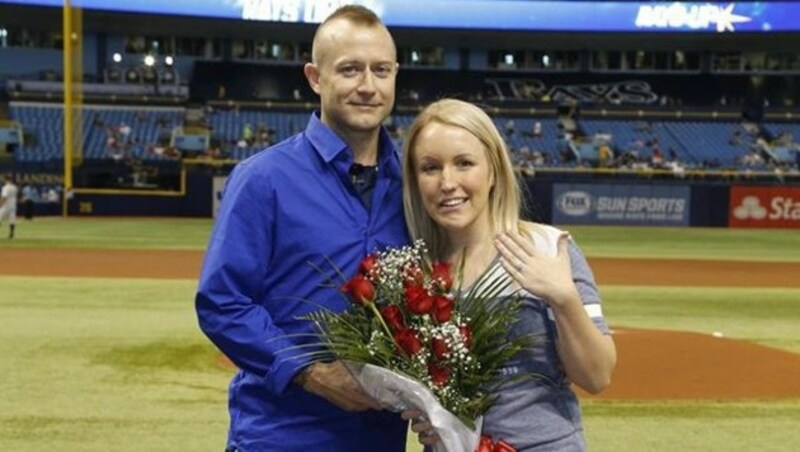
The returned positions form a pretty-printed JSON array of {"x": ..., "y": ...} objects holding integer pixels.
[{"x": 398, "y": 392}]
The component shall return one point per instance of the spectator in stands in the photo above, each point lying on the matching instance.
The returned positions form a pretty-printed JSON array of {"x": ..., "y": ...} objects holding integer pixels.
[
  {"x": 644, "y": 127},
  {"x": 247, "y": 134},
  {"x": 262, "y": 136},
  {"x": 566, "y": 148},
  {"x": 678, "y": 170},
  {"x": 97, "y": 121},
  {"x": 52, "y": 196},
  {"x": 171, "y": 152},
  {"x": 115, "y": 147},
  {"x": 329, "y": 194},
  {"x": 8, "y": 204},
  {"x": 657, "y": 158},
  {"x": 454, "y": 151},
  {"x": 605, "y": 156},
  {"x": 510, "y": 127},
  {"x": 537, "y": 129},
  {"x": 124, "y": 133},
  {"x": 673, "y": 156},
  {"x": 736, "y": 137},
  {"x": 155, "y": 150},
  {"x": 784, "y": 139},
  {"x": 214, "y": 152},
  {"x": 30, "y": 196}
]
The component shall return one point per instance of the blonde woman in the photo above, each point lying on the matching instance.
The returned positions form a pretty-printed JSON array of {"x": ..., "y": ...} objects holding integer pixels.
[{"x": 461, "y": 196}]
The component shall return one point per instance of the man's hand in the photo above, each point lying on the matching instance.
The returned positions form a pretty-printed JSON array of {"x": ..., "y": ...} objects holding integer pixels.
[
  {"x": 333, "y": 382},
  {"x": 421, "y": 425}
]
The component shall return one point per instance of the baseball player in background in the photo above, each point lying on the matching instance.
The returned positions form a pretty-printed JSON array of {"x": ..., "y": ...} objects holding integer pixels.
[{"x": 8, "y": 204}]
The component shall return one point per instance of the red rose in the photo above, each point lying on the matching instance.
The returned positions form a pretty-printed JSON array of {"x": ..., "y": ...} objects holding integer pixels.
[
  {"x": 360, "y": 289},
  {"x": 408, "y": 341},
  {"x": 442, "y": 308},
  {"x": 368, "y": 264},
  {"x": 440, "y": 272},
  {"x": 393, "y": 317},
  {"x": 485, "y": 445},
  {"x": 502, "y": 446},
  {"x": 439, "y": 347},
  {"x": 418, "y": 300},
  {"x": 466, "y": 335},
  {"x": 439, "y": 374}
]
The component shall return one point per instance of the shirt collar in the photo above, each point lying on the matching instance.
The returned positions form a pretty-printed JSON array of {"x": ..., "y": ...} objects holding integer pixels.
[{"x": 329, "y": 145}]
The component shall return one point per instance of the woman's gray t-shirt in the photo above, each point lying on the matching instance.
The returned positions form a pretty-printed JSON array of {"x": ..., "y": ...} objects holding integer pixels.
[{"x": 543, "y": 414}]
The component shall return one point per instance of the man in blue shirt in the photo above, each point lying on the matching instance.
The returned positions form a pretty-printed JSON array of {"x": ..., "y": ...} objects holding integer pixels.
[{"x": 330, "y": 192}]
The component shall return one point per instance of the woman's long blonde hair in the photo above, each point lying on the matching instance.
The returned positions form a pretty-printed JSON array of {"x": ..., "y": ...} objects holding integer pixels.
[{"x": 504, "y": 197}]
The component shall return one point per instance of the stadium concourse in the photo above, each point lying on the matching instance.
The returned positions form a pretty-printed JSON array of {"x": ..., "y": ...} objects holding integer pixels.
[{"x": 650, "y": 360}]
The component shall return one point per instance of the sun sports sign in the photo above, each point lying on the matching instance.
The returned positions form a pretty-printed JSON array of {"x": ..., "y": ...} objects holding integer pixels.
[
  {"x": 644, "y": 205},
  {"x": 764, "y": 207}
]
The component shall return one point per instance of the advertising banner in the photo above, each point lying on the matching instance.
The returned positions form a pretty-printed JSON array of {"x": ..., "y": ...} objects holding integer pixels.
[
  {"x": 643, "y": 205},
  {"x": 533, "y": 15},
  {"x": 764, "y": 207}
]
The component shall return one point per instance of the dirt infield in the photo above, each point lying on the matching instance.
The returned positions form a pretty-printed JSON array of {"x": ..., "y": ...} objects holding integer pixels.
[
  {"x": 653, "y": 365},
  {"x": 672, "y": 365}
]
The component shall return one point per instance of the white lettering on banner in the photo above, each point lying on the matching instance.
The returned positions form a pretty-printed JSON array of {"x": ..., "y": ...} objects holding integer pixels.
[
  {"x": 316, "y": 11},
  {"x": 784, "y": 209},
  {"x": 634, "y": 204},
  {"x": 678, "y": 15},
  {"x": 607, "y": 204},
  {"x": 640, "y": 208},
  {"x": 656, "y": 205},
  {"x": 270, "y": 10}
]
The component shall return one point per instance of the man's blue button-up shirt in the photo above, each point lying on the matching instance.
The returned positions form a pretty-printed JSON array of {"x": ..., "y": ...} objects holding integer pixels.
[{"x": 287, "y": 206}]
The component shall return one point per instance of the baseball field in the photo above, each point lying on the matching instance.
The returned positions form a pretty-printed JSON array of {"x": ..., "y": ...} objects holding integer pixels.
[{"x": 100, "y": 350}]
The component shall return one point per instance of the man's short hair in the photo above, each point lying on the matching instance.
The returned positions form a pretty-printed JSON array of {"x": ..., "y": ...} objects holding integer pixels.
[{"x": 355, "y": 14}]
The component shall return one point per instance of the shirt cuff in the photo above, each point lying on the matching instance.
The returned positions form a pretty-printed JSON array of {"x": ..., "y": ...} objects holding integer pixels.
[{"x": 284, "y": 372}]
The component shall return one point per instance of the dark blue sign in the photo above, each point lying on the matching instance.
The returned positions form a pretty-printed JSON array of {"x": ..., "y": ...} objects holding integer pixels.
[
  {"x": 648, "y": 205},
  {"x": 533, "y": 15}
]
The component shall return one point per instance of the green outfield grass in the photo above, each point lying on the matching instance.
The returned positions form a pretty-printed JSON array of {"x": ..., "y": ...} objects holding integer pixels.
[
  {"x": 692, "y": 427},
  {"x": 689, "y": 243},
  {"x": 596, "y": 241},
  {"x": 119, "y": 364},
  {"x": 769, "y": 317},
  {"x": 111, "y": 233}
]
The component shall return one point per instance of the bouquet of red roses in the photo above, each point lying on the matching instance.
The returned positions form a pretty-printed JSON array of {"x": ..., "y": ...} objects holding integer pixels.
[{"x": 414, "y": 340}]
